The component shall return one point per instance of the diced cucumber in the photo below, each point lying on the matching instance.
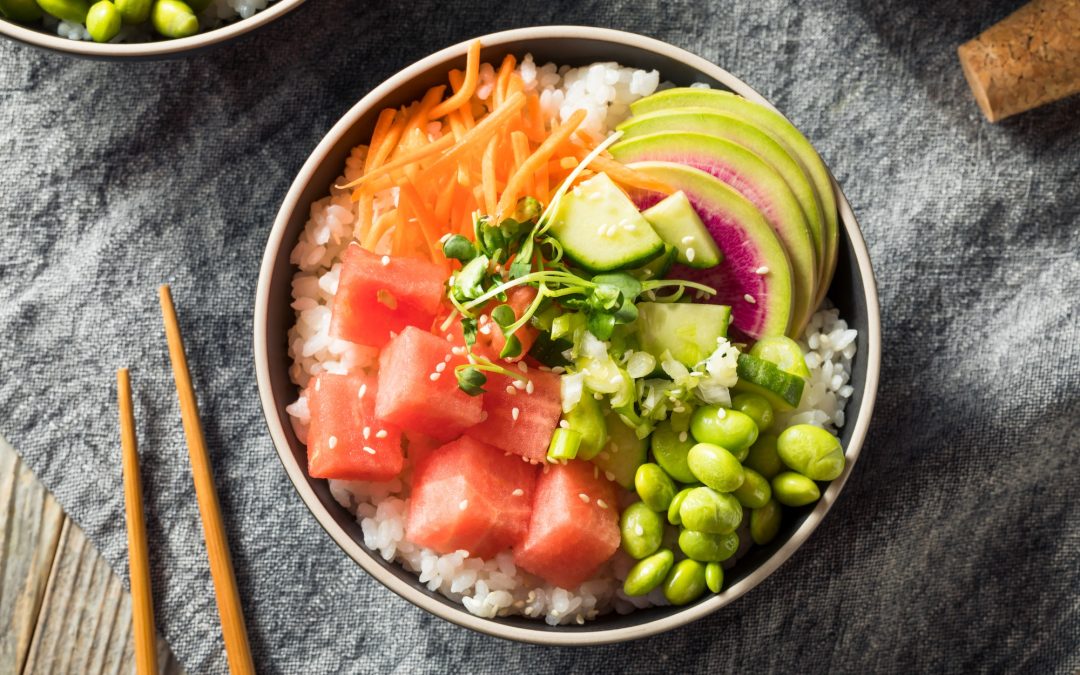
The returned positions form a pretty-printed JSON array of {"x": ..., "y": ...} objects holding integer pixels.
[
  {"x": 688, "y": 330},
  {"x": 679, "y": 225},
  {"x": 624, "y": 452},
  {"x": 784, "y": 352},
  {"x": 658, "y": 267},
  {"x": 588, "y": 420},
  {"x": 601, "y": 229},
  {"x": 782, "y": 389}
]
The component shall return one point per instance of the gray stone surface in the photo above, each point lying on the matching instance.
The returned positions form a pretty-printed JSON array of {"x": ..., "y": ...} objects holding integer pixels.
[{"x": 955, "y": 544}]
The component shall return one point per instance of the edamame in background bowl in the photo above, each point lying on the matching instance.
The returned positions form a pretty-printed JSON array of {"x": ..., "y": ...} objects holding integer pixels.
[
  {"x": 117, "y": 29},
  {"x": 536, "y": 367}
]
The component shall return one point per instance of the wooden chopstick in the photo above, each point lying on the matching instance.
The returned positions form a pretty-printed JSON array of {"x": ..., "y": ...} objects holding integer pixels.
[
  {"x": 217, "y": 546},
  {"x": 142, "y": 601}
]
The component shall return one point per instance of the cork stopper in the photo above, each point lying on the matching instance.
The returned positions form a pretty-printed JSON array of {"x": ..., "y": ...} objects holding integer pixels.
[{"x": 1028, "y": 59}]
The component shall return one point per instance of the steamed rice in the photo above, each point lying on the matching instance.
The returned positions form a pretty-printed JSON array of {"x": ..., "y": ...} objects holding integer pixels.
[{"x": 496, "y": 587}]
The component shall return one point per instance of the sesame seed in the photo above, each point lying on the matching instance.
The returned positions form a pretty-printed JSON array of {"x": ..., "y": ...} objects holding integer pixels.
[
  {"x": 483, "y": 319},
  {"x": 721, "y": 413},
  {"x": 564, "y": 424},
  {"x": 463, "y": 505},
  {"x": 731, "y": 319},
  {"x": 609, "y": 475},
  {"x": 630, "y": 227},
  {"x": 439, "y": 367},
  {"x": 434, "y": 376},
  {"x": 524, "y": 459},
  {"x": 749, "y": 298},
  {"x": 363, "y": 390},
  {"x": 457, "y": 351},
  {"x": 369, "y": 450},
  {"x": 580, "y": 620},
  {"x": 385, "y": 260},
  {"x": 690, "y": 253},
  {"x": 381, "y": 433},
  {"x": 485, "y": 329},
  {"x": 761, "y": 271},
  {"x": 510, "y": 389},
  {"x": 547, "y": 467},
  {"x": 601, "y": 503},
  {"x": 523, "y": 367},
  {"x": 331, "y": 442},
  {"x": 529, "y": 388},
  {"x": 604, "y": 456},
  {"x": 519, "y": 385},
  {"x": 318, "y": 383},
  {"x": 450, "y": 338},
  {"x": 483, "y": 415},
  {"x": 558, "y": 370},
  {"x": 446, "y": 359},
  {"x": 583, "y": 497},
  {"x": 518, "y": 492},
  {"x": 682, "y": 436},
  {"x": 688, "y": 239},
  {"x": 367, "y": 433},
  {"x": 514, "y": 412},
  {"x": 598, "y": 396}
]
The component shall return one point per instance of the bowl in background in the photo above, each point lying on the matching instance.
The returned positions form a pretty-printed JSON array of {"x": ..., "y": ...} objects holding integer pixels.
[{"x": 853, "y": 291}]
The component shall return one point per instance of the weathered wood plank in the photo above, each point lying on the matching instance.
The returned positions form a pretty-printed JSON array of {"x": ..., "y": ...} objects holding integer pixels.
[{"x": 30, "y": 525}]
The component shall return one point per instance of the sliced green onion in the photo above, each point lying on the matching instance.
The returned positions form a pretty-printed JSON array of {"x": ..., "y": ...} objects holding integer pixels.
[{"x": 564, "y": 444}]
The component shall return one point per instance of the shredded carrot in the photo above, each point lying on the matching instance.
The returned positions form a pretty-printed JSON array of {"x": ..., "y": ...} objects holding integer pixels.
[
  {"x": 535, "y": 119},
  {"x": 487, "y": 173},
  {"x": 520, "y": 143},
  {"x": 382, "y": 128},
  {"x": 503, "y": 78},
  {"x": 382, "y": 224},
  {"x": 443, "y": 201},
  {"x": 568, "y": 162},
  {"x": 443, "y": 143},
  {"x": 624, "y": 175},
  {"x": 540, "y": 156},
  {"x": 429, "y": 227},
  {"x": 457, "y": 80},
  {"x": 477, "y": 136},
  {"x": 421, "y": 114},
  {"x": 462, "y": 95}
]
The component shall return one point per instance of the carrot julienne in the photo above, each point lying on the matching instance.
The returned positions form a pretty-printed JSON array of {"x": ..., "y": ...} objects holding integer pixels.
[
  {"x": 546, "y": 149},
  {"x": 468, "y": 87}
]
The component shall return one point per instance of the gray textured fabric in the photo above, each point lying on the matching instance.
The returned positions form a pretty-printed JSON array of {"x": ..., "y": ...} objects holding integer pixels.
[{"x": 955, "y": 546}]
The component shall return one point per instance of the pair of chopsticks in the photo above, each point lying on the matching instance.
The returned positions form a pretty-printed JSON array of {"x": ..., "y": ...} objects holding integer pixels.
[{"x": 233, "y": 629}]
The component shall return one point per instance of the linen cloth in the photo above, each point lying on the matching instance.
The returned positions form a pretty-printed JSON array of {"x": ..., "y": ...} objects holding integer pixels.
[{"x": 956, "y": 544}]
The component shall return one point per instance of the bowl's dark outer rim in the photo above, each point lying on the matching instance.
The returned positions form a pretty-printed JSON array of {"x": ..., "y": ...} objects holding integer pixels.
[
  {"x": 870, "y": 349},
  {"x": 137, "y": 51}
]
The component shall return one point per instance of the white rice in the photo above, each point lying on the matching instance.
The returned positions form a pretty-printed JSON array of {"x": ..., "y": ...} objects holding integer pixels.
[
  {"x": 216, "y": 14},
  {"x": 497, "y": 587}
]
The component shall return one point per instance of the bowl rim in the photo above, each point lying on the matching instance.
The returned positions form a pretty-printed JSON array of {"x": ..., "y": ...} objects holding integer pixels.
[
  {"x": 578, "y": 636},
  {"x": 145, "y": 50}
]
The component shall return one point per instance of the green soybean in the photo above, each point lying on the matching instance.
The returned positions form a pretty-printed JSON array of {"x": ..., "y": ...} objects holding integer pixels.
[
  {"x": 669, "y": 449},
  {"x": 649, "y": 573},
  {"x": 794, "y": 489},
  {"x": 67, "y": 10},
  {"x": 685, "y": 582},
  {"x": 133, "y": 12},
  {"x": 757, "y": 407},
  {"x": 23, "y": 11},
  {"x": 763, "y": 457},
  {"x": 714, "y": 466},
  {"x": 765, "y": 522},
  {"x": 642, "y": 530},
  {"x": 174, "y": 19},
  {"x": 676, "y": 503},
  {"x": 103, "y": 21},
  {"x": 654, "y": 487},
  {"x": 714, "y": 577},
  {"x": 733, "y": 430},
  {"x": 812, "y": 451},
  {"x": 755, "y": 490},
  {"x": 708, "y": 547},
  {"x": 706, "y": 510}
]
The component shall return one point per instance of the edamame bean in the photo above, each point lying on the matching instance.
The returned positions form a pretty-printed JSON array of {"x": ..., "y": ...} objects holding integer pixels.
[
  {"x": 812, "y": 451},
  {"x": 715, "y": 467},
  {"x": 755, "y": 490},
  {"x": 763, "y": 457},
  {"x": 685, "y": 582},
  {"x": 676, "y": 502},
  {"x": 67, "y": 10},
  {"x": 794, "y": 489},
  {"x": 765, "y": 522},
  {"x": 714, "y": 577},
  {"x": 642, "y": 530},
  {"x": 669, "y": 449},
  {"x": 133, "y": 12},
  {"x": 707, "y": 547},
  {"x": 23, "y": 11},
  {"x": 706, "y": 510},
  {"x": 757, "y": 407},
  {"x": 649, "y": 573},
  {"x": 103, "y": 21},
  {"x": 730, "y": 429},
  {"x": 654, "y": 487},
  {"x": 174, "y": 19}
]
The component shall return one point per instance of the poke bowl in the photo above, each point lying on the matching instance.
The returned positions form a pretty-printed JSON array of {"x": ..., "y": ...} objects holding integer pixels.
[
  {"x": 549, "y": 339},
  {"x": 135, "y": 29}
]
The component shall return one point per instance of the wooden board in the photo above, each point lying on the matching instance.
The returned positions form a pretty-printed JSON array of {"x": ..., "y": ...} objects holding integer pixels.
[{"x": 62, "y": 610}]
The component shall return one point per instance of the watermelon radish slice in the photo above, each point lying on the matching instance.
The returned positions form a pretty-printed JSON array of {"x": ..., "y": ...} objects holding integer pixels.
[
  {"x": 574, "y": 527},
  {"x": 733, "y": 128},
  {"x": 520, "y": 422},
  {"x": 345, "y": 441},
  {"x": 754, "y": 179},
  {"x": 755, "y": 277},
  {"x": 470, "y": 496},
  {"x": 782, "y": 131}
]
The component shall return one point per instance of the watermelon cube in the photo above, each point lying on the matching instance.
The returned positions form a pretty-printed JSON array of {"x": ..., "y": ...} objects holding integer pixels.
[
  {"x": 417, "y": 388},
  {"x": 345, "y": 440},
  {"x": 518, "y": 421},
  {"x": 574, "y": 526},
  {"x": 379, "y": 295},
  {"x": 470, "y": 496}
]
